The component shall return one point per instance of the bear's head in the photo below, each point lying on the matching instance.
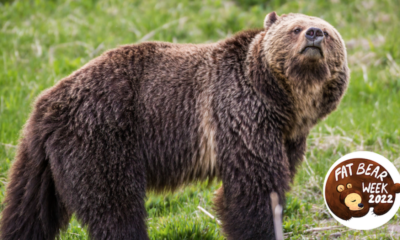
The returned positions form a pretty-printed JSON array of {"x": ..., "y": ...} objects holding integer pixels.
[
  {"x": 303, "y": 48},
  {"x": 350, "y": 197}
]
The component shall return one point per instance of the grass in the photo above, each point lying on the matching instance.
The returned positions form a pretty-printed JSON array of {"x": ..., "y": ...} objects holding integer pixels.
[{"x": 43, "y": 41}]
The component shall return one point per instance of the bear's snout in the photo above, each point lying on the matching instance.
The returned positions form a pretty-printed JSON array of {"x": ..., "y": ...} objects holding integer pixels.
[
  {"x": 313, "y": 43},
  {"x": 315, "y": 36},
  {"x": 360, "y": 205}
]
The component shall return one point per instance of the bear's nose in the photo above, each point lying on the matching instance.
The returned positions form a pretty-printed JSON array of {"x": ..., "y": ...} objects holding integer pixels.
[
  {"x": 315, "y": 35},
  {"x": 360, "y": 205}
]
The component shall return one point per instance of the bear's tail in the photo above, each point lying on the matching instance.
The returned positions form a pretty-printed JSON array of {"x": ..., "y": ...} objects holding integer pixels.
[{"x": 33, "y": 209}]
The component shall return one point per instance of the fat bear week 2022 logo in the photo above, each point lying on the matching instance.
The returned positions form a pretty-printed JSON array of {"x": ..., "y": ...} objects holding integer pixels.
[{"x": 361, "y": 190}]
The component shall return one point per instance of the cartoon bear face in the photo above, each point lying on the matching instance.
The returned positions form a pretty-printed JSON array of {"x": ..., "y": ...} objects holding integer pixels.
[{"x": 350, "y": 197}]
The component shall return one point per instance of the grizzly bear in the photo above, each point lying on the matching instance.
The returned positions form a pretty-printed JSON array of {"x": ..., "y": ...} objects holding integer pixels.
[
  {"x": 357, "y": 185},
  {"x": 155, "y": 116}
]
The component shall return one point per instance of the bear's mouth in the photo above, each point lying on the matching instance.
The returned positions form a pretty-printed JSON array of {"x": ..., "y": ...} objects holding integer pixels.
[
  {"x": 359, "y": 208},
  {"x": 312, "y": 51}
]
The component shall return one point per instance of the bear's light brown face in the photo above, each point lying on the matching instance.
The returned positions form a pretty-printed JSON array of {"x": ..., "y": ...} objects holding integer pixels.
[
  {"x": 353, "y": 201},
  {"x": 303, "y": 48},
  {"x": 350, "y": 197}
]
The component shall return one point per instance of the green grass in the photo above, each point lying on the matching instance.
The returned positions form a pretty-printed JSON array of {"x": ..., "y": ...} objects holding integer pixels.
[{"x": 43, "y": 41}]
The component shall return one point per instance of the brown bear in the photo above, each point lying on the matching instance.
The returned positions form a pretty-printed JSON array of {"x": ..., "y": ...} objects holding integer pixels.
[
  {"x": 155, "y": 116},
  {"x": 356, "y": 185}
]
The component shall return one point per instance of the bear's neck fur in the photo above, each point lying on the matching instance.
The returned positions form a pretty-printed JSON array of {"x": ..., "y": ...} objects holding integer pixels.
[{"x": 297, "y": 104}]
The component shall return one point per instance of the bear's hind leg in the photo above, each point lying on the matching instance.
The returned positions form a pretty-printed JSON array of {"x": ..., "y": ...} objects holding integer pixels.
[
  {"x": 103, "y": 182},
  {"x": 119, "y": 216}
]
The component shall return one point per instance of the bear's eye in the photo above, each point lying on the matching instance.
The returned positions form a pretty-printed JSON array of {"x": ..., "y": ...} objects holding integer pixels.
[
  {"x": 326, "y": 34},
  {"x": 353, "y": 200},
  {"x": 297, "y": 30}
]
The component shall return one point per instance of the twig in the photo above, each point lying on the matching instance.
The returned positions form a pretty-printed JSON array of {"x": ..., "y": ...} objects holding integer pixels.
[
  {"x": 308, "y": 165},
  {"x": 8, "y": 145},
  {"x": 73, "y": 233},
  {"x": 277, "y": 212},
  {"x": 287, "y": 234},
  {"x": 209, "y": 214},
  {"x": 322, "y": 229},
  {"x": 3, "y": 181}
]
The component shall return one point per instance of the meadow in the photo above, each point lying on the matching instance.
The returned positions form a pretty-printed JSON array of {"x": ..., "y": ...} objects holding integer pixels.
[{"x": 43, "y": 41}]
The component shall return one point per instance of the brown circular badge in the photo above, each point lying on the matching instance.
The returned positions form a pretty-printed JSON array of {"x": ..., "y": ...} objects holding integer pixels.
[{"x": 361, "y": 187}]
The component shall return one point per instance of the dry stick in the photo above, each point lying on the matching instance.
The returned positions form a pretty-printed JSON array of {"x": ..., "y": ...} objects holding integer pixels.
[
  {"x": 209, "y": 214},
  {"x": 8, "y": 145},
  {"x": 287, "y": 234},
  {"x": 322, "y": 229},
  {"x": 277, "y": 212}
]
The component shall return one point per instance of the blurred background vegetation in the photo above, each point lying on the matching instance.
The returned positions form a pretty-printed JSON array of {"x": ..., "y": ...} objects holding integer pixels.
[{"x": 43, "y": 41}]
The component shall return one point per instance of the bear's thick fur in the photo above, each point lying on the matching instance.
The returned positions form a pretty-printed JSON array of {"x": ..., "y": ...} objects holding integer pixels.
[{"x": 154, "y": 116}]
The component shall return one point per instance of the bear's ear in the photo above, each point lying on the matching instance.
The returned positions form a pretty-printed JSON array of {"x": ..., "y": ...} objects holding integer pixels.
[
  {"x": 270, "y": 19},
  {"x": 340, "y": 188},
  {"x": 349, "y": 185}
]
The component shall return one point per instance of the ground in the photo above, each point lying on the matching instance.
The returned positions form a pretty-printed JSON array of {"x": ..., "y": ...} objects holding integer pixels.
[{"x": 44, "y": 41}]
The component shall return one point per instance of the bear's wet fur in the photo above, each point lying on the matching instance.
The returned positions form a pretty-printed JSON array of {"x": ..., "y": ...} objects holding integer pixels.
[{"x": 155, "y": 116}]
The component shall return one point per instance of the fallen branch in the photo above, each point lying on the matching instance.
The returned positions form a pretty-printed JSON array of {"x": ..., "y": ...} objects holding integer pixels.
[
  {"x": 277, "y": 212},
  {"x": 322, "y": 229},
  {"x": 8, "y": 145},
  {"x": 287, "y": 234},
  {"x": 209, "y": 214}
]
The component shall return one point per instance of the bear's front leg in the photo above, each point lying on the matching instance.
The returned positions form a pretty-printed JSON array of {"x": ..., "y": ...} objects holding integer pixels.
[
  {"x": 243, "y": 203},
  {"x": 295, "y": 149}
]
